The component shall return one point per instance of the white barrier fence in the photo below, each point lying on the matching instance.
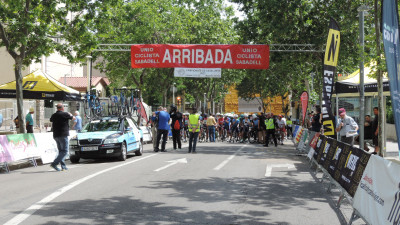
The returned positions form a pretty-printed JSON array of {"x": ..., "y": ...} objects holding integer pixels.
[
  {"x": 377, "y": 195},
  {"x": 17, "y": 147}
]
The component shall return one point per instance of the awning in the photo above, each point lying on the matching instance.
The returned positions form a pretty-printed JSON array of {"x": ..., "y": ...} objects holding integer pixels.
[
  {"x": 350, "y": 85},
  {"x": 38, "y": 85}
]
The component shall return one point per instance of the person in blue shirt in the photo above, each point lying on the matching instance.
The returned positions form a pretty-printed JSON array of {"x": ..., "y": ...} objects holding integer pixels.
[
  {"x": 162, "y": 129},
  {"x": 77, "y": 122}
]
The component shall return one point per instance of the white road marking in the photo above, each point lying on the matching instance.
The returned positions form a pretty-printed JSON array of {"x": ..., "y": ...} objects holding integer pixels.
[
  {"x": 268, "y": 171},
  {"x": 173, "y": 162},
  {"x": 38, "y": 205},
  {"x": 228, "y": 159}
]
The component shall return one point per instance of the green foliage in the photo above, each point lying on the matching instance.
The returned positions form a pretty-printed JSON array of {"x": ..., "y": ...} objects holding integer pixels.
[
  {"x": 304, "y": 22},
  {"x": 165, "y": 22},
  {"x": 389, "y": 111}
]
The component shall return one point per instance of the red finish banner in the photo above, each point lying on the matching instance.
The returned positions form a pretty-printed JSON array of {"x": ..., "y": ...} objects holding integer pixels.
[{"x": 200, "y": 56}]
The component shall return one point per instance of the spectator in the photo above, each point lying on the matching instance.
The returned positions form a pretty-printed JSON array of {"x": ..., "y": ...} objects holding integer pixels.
[
  {"x": 345, "y": 126},
  {"x": 16, "y": 122},
  {"x": 375, "y": 129},
  {"x": 77, "y": 122},
  {"x": 153, "y": 124},
  {"x": 29, "y": 121},
  {"x": 307, "y": 121},
  {"x": 211, "y": 127},
  {"x": 316, "y": 120},
  {"x": 176, "y": 126},
  {"x": 60, "y": 121},
  {"x": 162, "y": 129},
  {"x": 368, "y": 132},
  {"x": 262, "y": 130},
  {"x": 289, "y": 125}
]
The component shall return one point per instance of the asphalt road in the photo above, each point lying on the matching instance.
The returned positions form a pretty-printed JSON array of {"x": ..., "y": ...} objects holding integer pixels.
[{"x": 222, "y": 184}]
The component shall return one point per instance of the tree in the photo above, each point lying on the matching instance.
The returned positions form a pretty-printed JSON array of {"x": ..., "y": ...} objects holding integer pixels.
[
  {"x": 29, "y": 29},
  {"x": 165, "y": 22},
  {"x": 300, "y": 22}
]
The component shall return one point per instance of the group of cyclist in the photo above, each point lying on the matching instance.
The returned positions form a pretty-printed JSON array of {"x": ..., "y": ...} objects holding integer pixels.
[{"x": 241, "y": 128}]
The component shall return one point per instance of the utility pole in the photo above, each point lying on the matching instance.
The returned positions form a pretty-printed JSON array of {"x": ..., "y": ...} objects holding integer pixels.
[{"x": 362, "y": 11}]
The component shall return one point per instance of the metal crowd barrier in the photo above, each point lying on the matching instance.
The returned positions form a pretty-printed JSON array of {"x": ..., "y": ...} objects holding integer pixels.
[{"x": 303, "y": 148}]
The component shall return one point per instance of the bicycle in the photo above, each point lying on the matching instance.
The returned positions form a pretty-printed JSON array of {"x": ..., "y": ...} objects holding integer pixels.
[
  {"x": 124, "y": 105},
  {"x": 252, "y": 136},
  {"x": 202, "y": 136},
  {"x": 94, "y": 106}
]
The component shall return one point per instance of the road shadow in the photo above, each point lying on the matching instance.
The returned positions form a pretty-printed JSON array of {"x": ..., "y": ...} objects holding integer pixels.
[{"x": 129, "y": 210}]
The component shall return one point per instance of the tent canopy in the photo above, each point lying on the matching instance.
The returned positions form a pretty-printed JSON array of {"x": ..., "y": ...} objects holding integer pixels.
[
  {"x": 38, "y": 85},
  {"x": 349, "y": 86}
]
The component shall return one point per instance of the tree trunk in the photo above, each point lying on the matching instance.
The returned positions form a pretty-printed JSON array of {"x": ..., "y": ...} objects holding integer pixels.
[
  {"x": 381, "y": 116},
  {"x": 19, "y": 95}
]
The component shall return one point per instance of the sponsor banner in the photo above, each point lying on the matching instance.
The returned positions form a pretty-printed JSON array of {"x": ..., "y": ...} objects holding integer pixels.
[
  {"x": 47, "y": 146},
  {"x": 22, "y": 146},
  {"x": 351, "y": 171},
  {"x": 200, "y": 56},
  {"x": 329, "y": 155},
  {"x": 295, "y": 130},
  {"x": 5, "y": 152},
  {"x": 303, "y": 140},
  {"x": 314, "y": 140},
  {"x": 325, "y": 152},
  {"x": 298, "y": 135},
  {"x": 330, "y": 63},
  {"x": 320, "y": 147},
  {"x": 390, "y": 31},
  {"x": 198, "y": 72},
  {"x": 304, "y": 104},
  {"x": 338, "y": 158},
  {"x": 378, "y": 195},
  {"x": 253, "y": 105}
]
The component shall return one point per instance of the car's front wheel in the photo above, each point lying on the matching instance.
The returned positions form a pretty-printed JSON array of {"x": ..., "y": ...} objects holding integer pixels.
[
  {"x": 122, "y": 157},
  {"x": 139, "y": 152},
  {"x": 74, "y": 159}
]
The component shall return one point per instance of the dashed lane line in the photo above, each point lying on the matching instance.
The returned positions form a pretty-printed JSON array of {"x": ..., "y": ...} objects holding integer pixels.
[{"x": 228, "y": 159}]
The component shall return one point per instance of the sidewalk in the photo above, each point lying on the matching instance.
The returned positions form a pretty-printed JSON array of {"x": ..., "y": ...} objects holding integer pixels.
[{"x": 392, "y": 151}]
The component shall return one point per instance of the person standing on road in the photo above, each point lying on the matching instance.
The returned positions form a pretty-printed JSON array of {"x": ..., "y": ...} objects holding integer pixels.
[
  {"x": 153, "y": 124},
  {"x": 211, "y": 127},
  {"x": 176, "y": 126},
  {"x": 262, "y": 129},
  {"x": 345, "y": 126},
  {"x": 375, "y": 129},
  {"x": 77, "y": 122},
  {"x": 194, "y": 129},
  {"x": 29, "y": 120},
  {"x": 271, "y": 125},
  {"x": 60, "y": 121},
  {"x": 282, "y": 127},
  {"x": 162, "y": 129}
]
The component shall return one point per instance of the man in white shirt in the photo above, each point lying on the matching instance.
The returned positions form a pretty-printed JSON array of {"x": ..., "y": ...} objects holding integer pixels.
[{"x": 346, "y": 126}]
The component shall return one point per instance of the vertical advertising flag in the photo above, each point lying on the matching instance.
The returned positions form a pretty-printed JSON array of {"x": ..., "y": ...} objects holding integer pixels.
[
  {"x": 391, "y": 42},
  {"x": 304, "y": 104},
  {"x": 330, "y": 63}
]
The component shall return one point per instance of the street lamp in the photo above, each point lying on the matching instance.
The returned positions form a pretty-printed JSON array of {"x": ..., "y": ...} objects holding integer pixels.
[
  {"x": 173, "y": 93},
  {"x": 205, "y": 102}
]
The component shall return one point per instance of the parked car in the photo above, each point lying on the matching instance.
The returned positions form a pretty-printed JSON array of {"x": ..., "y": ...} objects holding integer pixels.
[{"x": 107, "y": 137}]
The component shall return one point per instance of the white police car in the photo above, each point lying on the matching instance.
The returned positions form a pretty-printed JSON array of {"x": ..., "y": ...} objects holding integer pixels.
[{"x": 107, "y": 137}]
